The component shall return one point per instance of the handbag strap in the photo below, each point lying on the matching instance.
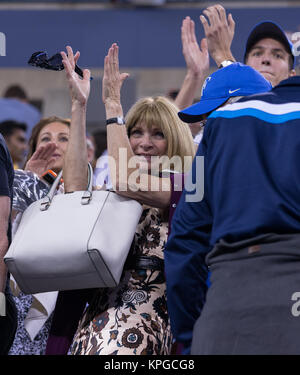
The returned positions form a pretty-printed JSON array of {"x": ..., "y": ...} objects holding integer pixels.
[
  {"x": 87, "y": 195},
  {"x": 85, "y": 199}
]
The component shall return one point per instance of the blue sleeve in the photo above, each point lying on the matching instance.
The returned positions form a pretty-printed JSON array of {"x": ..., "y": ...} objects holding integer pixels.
[{"x": 185, "y": 267}]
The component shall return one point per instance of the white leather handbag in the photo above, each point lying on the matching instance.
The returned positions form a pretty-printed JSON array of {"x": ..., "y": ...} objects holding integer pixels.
[{"x": 73, "y": 241}]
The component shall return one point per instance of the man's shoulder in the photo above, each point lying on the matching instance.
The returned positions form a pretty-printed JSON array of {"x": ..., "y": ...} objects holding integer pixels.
[
  {"x": 3, "y": 146},
  {"x": 293, "y": 81},
  {"x": 18, "y": 111},
  {"x": 283, "y": 100},
  {"x": 5, "y": 155},
  {"x": 286, "y": 91},
  {"x": 17, "y": 104}
]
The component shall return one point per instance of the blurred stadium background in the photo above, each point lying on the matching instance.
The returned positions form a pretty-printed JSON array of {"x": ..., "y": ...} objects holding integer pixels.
[{"x": 147, "y": 31}]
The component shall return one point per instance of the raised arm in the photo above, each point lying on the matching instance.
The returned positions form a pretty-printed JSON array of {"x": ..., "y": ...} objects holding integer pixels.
[
  {"x": 197, "y": 63},
  {"x": 219, "y": 33},
  {"x": 120, "y": 168},
  {"x": 75, "y": 160}
]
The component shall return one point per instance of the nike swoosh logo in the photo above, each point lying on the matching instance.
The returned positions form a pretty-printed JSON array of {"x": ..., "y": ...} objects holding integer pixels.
[{"x": 232, "y": 91}]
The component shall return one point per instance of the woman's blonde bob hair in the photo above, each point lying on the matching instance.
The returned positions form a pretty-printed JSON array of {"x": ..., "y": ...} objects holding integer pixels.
[{"x": 161, "y": 112}]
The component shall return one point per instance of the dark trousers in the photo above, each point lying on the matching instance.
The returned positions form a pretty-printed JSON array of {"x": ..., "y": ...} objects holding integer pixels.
[
  {"x": 8, "y": 326},
  {"x": 249, "y": 305}
]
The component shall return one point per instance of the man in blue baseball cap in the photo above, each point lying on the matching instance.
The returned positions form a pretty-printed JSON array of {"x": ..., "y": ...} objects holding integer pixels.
[
  {"x": 268, "y": 50},
  {"x": 220, "y": 88},
  {"x": 245, "y": 229},
  {"x": 235, "y": 80}
]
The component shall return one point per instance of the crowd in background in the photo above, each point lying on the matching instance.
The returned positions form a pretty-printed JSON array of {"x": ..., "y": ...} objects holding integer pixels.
[{"x": 165, "y": 283}]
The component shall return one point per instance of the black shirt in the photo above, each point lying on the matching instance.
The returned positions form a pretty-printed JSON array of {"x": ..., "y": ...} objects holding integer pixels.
[
  {"x": 8, "y": 323},
  {"x": 7, "y": 175}
]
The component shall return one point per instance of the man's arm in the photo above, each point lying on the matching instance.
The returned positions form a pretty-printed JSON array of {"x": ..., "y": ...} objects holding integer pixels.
[
  {"x": 219, "y": 33},
  {"x": 197, "y": 63},
  {"x": 4, "y": 221}
]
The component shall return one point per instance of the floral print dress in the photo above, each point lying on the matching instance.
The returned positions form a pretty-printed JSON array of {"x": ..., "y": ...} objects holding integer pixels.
[{"x": 131, "y": 318}]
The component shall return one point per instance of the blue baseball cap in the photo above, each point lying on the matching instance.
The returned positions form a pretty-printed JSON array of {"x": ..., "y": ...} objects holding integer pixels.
[
  {"x": 234, "y": 80},
  {"x": 268, "y": 29}
]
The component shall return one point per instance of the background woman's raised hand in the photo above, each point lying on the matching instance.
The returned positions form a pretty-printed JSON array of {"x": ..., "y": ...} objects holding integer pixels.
[
  {"x": 42, "y": 159},
  {"x": 219, "y": 32},
  {"x": 196, "y": 58}
]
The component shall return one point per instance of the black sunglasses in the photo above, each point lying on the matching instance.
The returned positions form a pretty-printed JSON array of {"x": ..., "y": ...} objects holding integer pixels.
[{"x": 40, "y": 59}]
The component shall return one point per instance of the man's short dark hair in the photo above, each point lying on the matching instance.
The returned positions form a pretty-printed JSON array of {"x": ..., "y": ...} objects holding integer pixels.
[
  {"x": 15, "y": 91},
  {"x": 8, "y": 127}
]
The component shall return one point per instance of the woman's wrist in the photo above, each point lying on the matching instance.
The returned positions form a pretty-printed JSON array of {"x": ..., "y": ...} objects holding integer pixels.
[
  {"x": 113, "y": 110},
  {"x": 79, "y": 105}
]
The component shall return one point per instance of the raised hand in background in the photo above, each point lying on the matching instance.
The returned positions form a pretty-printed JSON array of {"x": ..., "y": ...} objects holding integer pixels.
[
  {"x": 219, "y": 32},
  {"x": 197, "y": 63}
]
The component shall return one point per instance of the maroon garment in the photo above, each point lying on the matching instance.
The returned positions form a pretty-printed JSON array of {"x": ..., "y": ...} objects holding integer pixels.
[{"x": 177, "y": 182}]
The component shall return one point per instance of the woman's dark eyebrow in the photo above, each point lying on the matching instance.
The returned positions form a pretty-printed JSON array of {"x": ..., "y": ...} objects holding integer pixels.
[{"x": 49, "y": 133}]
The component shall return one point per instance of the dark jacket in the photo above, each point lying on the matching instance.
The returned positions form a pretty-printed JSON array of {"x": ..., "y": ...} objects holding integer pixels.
[{"x": 251, "y": 187}]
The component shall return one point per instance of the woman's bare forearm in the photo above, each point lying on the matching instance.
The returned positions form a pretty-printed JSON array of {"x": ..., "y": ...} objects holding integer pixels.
[{"x": 75, "y": 161}]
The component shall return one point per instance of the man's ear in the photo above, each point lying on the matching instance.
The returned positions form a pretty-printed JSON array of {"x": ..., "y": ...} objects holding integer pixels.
[{"x": 292, "y": 73}]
